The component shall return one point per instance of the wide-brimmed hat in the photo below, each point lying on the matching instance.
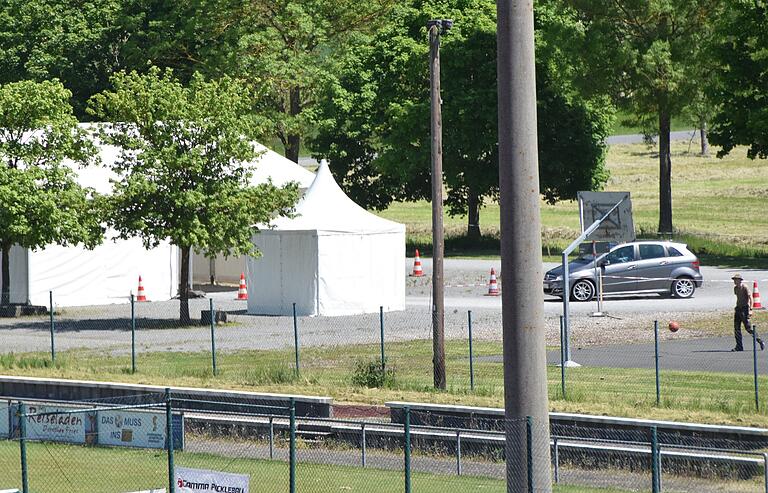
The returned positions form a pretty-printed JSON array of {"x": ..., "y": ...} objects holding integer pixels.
[{"x": 737, "y": 276}]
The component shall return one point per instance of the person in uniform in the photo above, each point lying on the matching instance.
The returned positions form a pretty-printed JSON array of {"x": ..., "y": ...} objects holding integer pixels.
[{"x": 742, "y": 312}]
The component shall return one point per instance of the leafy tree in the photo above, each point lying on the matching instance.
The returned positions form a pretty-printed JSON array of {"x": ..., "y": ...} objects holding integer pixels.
[
  {"x": 741, "y": 54},
  {"x": 40, "y": 200},
  {"x": 647, "y": 55},
  {"x": 181, "y": 167},
  {"x": 288, "y": 48},
  {"x": 77, "y": 42},
  {"x": 375, "y": 125}
]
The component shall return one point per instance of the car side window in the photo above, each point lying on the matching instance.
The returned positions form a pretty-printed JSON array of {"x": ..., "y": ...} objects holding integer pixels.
[
  {"x": 621, "y": 255},
  {"x": 674, "y": 252},
  {"x": 651, "y": 251}
]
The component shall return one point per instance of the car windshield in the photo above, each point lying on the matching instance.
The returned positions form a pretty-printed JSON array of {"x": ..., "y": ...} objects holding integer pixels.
[{"x": 583, "y": 258}]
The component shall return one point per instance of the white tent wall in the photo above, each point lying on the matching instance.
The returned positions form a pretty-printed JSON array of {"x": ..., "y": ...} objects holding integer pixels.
[
  {"x": 105, "y": 275},
  {"x": 286, "y": 273},
  {"x": 360, "y": 273}
]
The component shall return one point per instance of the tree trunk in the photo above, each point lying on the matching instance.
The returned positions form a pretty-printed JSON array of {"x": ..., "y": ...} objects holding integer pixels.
[
  {"x": 704, "y": 140},
  {"x": 665, "y": 170},
  {"x": 184, "y": 287},
  {"x": 473, "y": 215},
  {"x": 5, "y": 277},
  {"x": 294, "y": 140}
]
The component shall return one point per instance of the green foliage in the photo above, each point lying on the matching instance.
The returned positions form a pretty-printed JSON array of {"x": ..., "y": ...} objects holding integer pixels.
[
  {"x": 369, "y": 373},
  {"x": 375, "y": 125},
  {"x": 650, "y": 57},
  {"x": 75, "y": 42},
  {"x": 40, "y": 200},
  {"x": 289, "y": 49},
  {"x": 183, "y": 166},
  {"x": 183, "y": 162},
  {"x": 741, "y": 53}
]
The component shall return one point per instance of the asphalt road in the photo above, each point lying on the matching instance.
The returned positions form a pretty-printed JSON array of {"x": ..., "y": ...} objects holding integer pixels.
[
  {"x": 466, "y": 282},
  {"x": 639, "y": 139},
  {"x": 710, "y": 354}
]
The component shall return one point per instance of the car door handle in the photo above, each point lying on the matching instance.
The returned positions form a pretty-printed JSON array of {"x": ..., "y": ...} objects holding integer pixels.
[
  {"x": 631, "y": 267},
  {"x": 663, "y": 262}
]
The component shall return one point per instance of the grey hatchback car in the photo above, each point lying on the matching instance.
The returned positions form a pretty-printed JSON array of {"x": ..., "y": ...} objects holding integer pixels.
[{"x": 642, "y": 266}]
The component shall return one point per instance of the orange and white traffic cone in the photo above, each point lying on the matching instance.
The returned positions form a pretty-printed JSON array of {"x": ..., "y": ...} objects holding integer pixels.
[
  {"x": 493, "y": 286},
  {"x": 242, "y": 292},
  {"x": 417, "y": 271},
  {"x": 140, "y": 296},
  {"x": 756, "y": 305}
]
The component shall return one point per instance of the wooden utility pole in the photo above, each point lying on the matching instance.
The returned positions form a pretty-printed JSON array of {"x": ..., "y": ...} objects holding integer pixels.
[
  {"x": 525, "y": 371},
  {"x": 436, "y": 28}
]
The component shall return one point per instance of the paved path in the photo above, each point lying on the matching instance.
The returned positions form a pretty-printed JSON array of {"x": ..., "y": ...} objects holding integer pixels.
[
  {"x": 466, "y": 282},
  {"x": 712, "y": 354},
  {"x": 639, "y": 139}
]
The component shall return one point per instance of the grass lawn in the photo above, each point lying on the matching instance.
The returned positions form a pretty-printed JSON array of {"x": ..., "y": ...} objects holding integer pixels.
[
  {"x": 716, "y": 206},
  {"x": 56, "y": 468},
  {"x": 686, "y": 396}
]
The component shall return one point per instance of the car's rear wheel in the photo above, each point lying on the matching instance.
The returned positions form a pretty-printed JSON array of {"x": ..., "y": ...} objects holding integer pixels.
[
  {"x": 683, "y": 287},
  {"x": 583, "y": 290}
]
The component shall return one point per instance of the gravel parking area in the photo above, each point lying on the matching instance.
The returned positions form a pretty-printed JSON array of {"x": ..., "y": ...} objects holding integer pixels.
[{"x": 107, "y": 328}]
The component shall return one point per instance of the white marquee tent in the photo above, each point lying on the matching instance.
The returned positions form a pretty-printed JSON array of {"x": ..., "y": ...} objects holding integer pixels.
[
  {"x": 109, "y": 273},
  {"x": 269, "y": 165},
  {"x": 104, "y": 275},
  {"x": 333, "y": 258}
]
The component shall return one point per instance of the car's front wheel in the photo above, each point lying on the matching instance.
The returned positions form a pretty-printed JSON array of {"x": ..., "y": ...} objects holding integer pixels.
[
  {"x": 683, "y": 287},
  {"x": 583, "y": 290}
]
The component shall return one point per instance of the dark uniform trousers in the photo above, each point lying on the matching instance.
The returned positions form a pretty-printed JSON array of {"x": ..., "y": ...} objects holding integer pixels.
[{"x": 741, "y": 316}]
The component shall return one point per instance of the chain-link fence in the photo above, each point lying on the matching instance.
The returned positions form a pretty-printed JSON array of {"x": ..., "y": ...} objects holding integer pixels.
[
  {"x": 642, "y": 365},
  {"x": 122, "y": 445}
]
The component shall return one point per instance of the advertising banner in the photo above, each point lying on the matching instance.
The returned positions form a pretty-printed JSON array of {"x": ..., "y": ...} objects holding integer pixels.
[
  {"x": 144, "y": 429},
  {"x": 5, "y": 419},
  {"x": 194, "y": 480},
  {"x": 52, "y": 427}
]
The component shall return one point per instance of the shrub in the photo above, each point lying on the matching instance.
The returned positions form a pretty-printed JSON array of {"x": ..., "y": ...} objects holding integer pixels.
[{"x": 369, "y": 373}]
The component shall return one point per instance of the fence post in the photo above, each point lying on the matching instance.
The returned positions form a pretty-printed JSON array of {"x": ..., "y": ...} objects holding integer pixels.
[
  {"x": 381, "y": 326},
  {"x": 133, "y": 334},
  {"x": 754, "y": 365},
  {"x": 53, "y": 345},
  {"x": 471, "y": 357},
  {"x": 169, "y": 441},
  {"x": 765, "y": 471},
  {"x": 23, "y": 447},
  {"x": 292, "y": 455},
  {"x": 213, "y": 336},
  {"x": 296, "y": 337},
  {"x": 362, "y": 432},
  {"x": 458, "y": 452},
  {"x": 557, "y": 461},
  {"x": 655, "y": 477},
  {"x": 271, "y": 437},
  {"x": 529, "y": 451},
  {"x": 562, "y": 357},
  {"x": 656, "y": 359},
  {"x": 407, "y": 449}
]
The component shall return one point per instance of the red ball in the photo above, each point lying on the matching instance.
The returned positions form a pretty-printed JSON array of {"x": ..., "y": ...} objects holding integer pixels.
[{"x": 674, "y": 326}]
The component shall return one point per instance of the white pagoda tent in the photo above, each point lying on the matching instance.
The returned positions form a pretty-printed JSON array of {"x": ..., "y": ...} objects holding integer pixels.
[
  {"x": 268, "y": 166},
  {"x": 332, "y": 258}
]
